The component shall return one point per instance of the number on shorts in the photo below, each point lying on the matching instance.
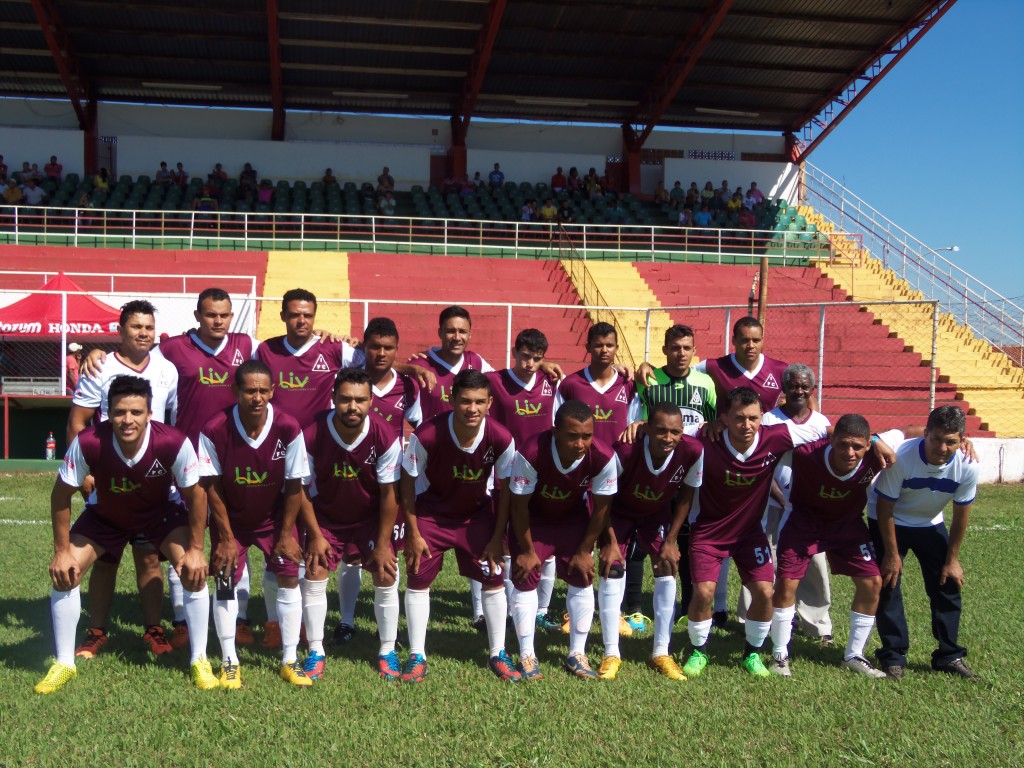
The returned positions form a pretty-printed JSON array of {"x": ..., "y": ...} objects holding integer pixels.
[
  {"x": 399, "y": 532},
  {"x": 867, "y": 551},
  {"x": 762, "y": 555}
]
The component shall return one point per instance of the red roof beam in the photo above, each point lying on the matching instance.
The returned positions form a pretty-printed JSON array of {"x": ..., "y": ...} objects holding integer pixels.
[
  {"x": 276, "y": 87},
  {"x": 68, "y": 66},
  {"x": 476, "y": 72}
]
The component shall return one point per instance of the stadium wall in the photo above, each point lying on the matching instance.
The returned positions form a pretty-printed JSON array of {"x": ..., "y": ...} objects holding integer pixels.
[{"x": 37, "y": 144}]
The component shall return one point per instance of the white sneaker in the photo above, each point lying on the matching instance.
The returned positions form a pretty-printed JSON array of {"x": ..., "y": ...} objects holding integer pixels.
[
  {"x": 780, "y": 666},
  {"x": 862, "y": 666}
]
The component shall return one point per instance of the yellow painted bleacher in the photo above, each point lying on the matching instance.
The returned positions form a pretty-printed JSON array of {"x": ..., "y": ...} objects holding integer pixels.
[{"x": 326, "y": 275}]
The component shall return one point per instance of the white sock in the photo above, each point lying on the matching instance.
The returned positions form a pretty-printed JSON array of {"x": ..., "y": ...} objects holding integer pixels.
[
  {"x": 495, "y": 606},
  {"x": 417, "y": 614},
  {"x": 524, "y": 612},
  {"x": 722, "y": 587},
  {"x": 176, "y": 592},
  {"x": 350, "y": 579},
  {"x": 242, "y": 593},
  {"x": 782, "y": 631},
  {"x": 270, "y": 595},
  {"x": 698, "y": 632},
  {"x": 860, "y": 629},
  {"x": 475, "y": 588},
  {"x": 65, "y": 609},
  {"x": 609, "y": 599},
  {"x": 385, "y": 608},
  {"x": 756, "y": 631},
  {"x": 664, "y": 610},
  {"x": 507, "y": 564},
  {"x": 314, "y": 612},
  {"x": 289, "y": 611},
  {"x": 225, "y": 614},
  {"x": 546, "y": 586},
  {"x": 197, "y": 617},
  {"x": 580, "y": 603}
]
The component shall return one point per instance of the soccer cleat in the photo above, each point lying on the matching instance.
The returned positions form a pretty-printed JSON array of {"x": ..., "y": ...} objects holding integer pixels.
[
  {"x": 157, "y": 640},
  {"x": 638, "y": 622},
  {"x": 958, "y": 668},
  {"x": 243, "y": 633},
  {"x": 179, "y": 634},
  {"x": 293, "y": 673},
  {"x": 414, "y": 669},
  {"x": 609, "y": 668},
  {"x": 95, "y": 639},
  {"x": 271, "y": 635},
  {"x": 230, "y": 676},
  {"x": 546, "y": 624},
  {"x": 752, "y": 663},
  {"x": 894, "y": 671},
  {"x": 342, "y": 635},
  {"x": 565, "y": 623},
  {"x": 666, "y": 666},
  {"x": 579, "y": 665},
  {"x": 625, "y": 628},
  {"x": 58, "y": 676},
  {"x": 315, "y": 665},
  {"x": 479, "y": 624},
  {"x": 502, "y": 666},
  {"x": 389, "y": 667},
  {"x": 695, "y": 664},
  {"x": 203, "y": 677},
  {"x": 779, "y": 666},
  {"x": 826, "y": 641},
  {"x": 529, "y": 669},
  {"x": 719, "y": 619},
  {"x": 862, "y": 666}
]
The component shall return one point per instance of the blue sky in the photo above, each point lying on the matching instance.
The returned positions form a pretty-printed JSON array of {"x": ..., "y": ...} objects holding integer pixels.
[{"x": 938, "y": 145}]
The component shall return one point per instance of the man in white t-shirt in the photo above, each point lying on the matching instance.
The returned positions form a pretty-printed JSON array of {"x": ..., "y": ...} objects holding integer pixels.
[{"x": 905, "y": 514}]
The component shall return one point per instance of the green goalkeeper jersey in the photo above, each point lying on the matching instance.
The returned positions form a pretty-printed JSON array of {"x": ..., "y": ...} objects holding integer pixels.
[{"x": 694, "y": 394}]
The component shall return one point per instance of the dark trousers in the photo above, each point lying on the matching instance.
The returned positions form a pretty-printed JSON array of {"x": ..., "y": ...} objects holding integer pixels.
[{"x": 929, "y": 546}]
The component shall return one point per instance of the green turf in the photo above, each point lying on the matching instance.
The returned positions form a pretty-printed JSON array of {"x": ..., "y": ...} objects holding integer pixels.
[{"x": 127, "y": 708}]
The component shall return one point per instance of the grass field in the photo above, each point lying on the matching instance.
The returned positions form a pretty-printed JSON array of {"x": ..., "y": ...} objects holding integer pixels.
[{"x": 127, "y": 708}]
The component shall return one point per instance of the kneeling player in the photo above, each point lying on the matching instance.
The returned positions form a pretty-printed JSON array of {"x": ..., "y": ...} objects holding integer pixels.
[
  {"x": 355, "y": 460},
  {"x": 657, "y": 478},
  {"x": 136, "y": 463},
  {"x": 247, "y": 454}
]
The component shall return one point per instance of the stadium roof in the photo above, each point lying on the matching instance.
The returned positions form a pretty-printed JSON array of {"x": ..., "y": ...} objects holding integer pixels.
[{"x": 768, "y": 65}]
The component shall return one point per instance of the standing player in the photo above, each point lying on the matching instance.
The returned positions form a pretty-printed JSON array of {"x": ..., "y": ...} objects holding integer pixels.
[
  {"x": 137, "y": 329},
  {"x": 657, "y": 478},
  {"x": 140, "y": 468},
  {"x": 248, "y": 453},
  {"x": 905, "y": 514},
  {"x": 557, "y": 475},
  {"x": 354, "y": 465},
  {"x": 443, "y": 493}
]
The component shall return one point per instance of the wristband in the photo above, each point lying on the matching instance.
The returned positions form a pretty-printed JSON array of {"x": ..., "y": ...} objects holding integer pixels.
[{"x": 874, "y": 439}]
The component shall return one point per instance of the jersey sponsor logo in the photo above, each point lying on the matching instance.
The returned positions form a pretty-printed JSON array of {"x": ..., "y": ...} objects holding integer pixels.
[
  {"x": 646, "y": 494},
  {"x": 279, "y": 451},
  {"x": 546, "y": 390},
  {"x": 489, "y": 455},
  {"x": 250, "y": 477},
  {"x": 237, "y": 360},
  {"x": 69, "y": 462},
  {"x": 739, "y": 480},
  {"x": 678, "y": 476},
  {"x": 832, "y": 494},
  {"x": 212, "y": 378},
  {"x": 346, "y": 471},
  {"x": 621, "y": 396},
  {"x": 125, "y": 486},
  {"x": 554, "y": 493},
  {"x": 528, "y": 408},
  {"x": 770, "y": 382},
  {"x": 467, "y": 475},
  {"x": 157, "y": 470},
  {"x": 691, "y": 417},
  {"x": 372, "y": 458},
  {"x": 602, "y": 415},
  {"x": 696, "y": 399},
  {"x": 321, "y": 366},
  {"x": 292, "y": 382}
]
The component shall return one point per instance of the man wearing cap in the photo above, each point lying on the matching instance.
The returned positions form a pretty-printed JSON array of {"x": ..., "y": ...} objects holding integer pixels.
[{"x": 71, "y": 365}]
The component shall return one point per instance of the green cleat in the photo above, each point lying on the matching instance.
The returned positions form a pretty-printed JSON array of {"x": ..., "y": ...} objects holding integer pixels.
[
  {"x": 695, "y": 664},
  {"x": 752, "y": 663}
]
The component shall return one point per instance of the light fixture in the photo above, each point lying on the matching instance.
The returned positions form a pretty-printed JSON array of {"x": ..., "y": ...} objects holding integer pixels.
[
  {"x": 182, "y": 86},
  {"x": 726, "y": 112},
  {"x": 952, "y": 248},
  {"x": 541, "y": 101},
  {"x": 370, "y": 95}
]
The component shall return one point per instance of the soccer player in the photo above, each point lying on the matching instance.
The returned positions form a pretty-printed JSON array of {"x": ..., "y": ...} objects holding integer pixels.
[
  {"x": 137, "y": 329},
  {"x": 556, "y": 478},
  {"x": 443, "y": 493},
  {"x": 141, "y": 469},
  {"x": 657, "y": 476},
  {"x": 248, "y": 453},
  {"x": 355, "y": 461},
  {"x": 905, "y": 515},
  {"x": 747, "y": 366}
]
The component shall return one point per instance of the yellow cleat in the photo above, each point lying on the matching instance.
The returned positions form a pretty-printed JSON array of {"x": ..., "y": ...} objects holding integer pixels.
[
  {"x": 666, "y": 666},
  {"x": 609, "y": 668},
  {"x": 292, "y": 673},
  {"x": 565, "y": 624},
  {"x": 203, "y": 677},
  {"x": 58, "y": 676},
  {"x": 230, "y": 676},
  {"x": 625, "y": 630}
]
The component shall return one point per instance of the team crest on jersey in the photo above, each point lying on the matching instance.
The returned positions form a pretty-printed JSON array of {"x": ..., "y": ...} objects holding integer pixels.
[
  {"x": 372, "y": 458},
  {"x": 321, "y": 366},
  {"x": 546, "y": 390},
  {"x": 237, "y": 359},
  {"x": 585, "y": 482},
  {"x": 157, "y": 470},
  {"x": 696, "y": 399},
  {"x": 400, "y": 405},
  {"x": 678, "y": 476},
  {"x": 621, "y": 397},
  {"x": 489, "y": 456},
  {"x": 279, "y": 451},
  {"x": 868, "y": 477},
  {"x": 163, "y": 381},
  {"x": 770, "y": 382},
  {"x": 768, "y": 459}
]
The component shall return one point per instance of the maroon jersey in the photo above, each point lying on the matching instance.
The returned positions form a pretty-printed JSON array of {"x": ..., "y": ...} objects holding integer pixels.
[
  {"x": 435, "y": 402},
  {"x": 128, "y": 489},
  {"x": 615, "y": 405},
  {"x": 728, "y": 374},
  {"x": 252, "y": 471},
  {"x": 345, "y": 478},
  {"x": 559, "y": 492},
  {"x": 735, "y": 488},
  {"x": 820, "y": 496},
  {"x": 452, "y": 481},
  {"x": 303, "y": 378},
  {"x": 646, "y": 490},
  {"x": 205, "y": 376},
  {"x": 524, "y": 410},
  {"x": 398, "y": 400}
]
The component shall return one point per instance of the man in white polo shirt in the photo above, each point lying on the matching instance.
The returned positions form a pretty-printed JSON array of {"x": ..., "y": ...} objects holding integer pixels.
[{"x": 905, "y": 514}]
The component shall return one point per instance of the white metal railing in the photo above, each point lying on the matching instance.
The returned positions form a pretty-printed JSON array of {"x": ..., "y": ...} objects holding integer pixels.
[
  {"x": 990, "y": 315},
  {"x": 179, "y": 283}
]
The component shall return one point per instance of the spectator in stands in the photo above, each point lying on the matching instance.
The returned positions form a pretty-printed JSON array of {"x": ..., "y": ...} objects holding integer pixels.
[
  {"x": 702, "y": 218},
  {"x": 496, "y": 178},
  {"x": 3, "y": 169},
  {"x": 574, "y": 181},
  {"x": 692, "y": 200},
  {"x": 163, "y": 176},
  {"x": 101, "y": 180},
  {"x": 477, "y": 180},
  {"x": 756, "y": 193},
  {"x": 529, "y": 211},
  {"x": 12, "y": 193},
  {"x": 247, "y": 181},
  {"x": 388, "y": 205},
  {"x": 558, "y": 181},
  {"x": 72, "y": 363},
  {"x": 548, "y": 211},
  {"x": 385, "y": 182},
  {"x": 615, "y": 213},
  {"x": 592, "y": 184},
  {"x": 724, "y": 192},
  {"x": 217, "y": 178},
  {"x": 566, "y": 215},
  {"x": 735, "y": 203},
  {"x": 25, "y": 173},
  {"x": 685, "y": 217},
  {"x": 265, "y": 192},
  {"x": 204, "y": 200},
  {"x": 468, "y": 187},
  {"x": 751, "y": 200},
  {"x": 677, "y": 196},
  {"x": 328, "y": 177},
  {"x": 607, "y": 188},
  {"x": 179, "y": 177},
  {"x": 661, "y": 196},
  {"x": 707, "y": 195},
  {"x": 33, "y": 195},
  {"x": 450, "y": 186},
  {"x": 53, "y": 170},
  {"x": 747, "y": 218},
  {"x": 84, "y": 204}
]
